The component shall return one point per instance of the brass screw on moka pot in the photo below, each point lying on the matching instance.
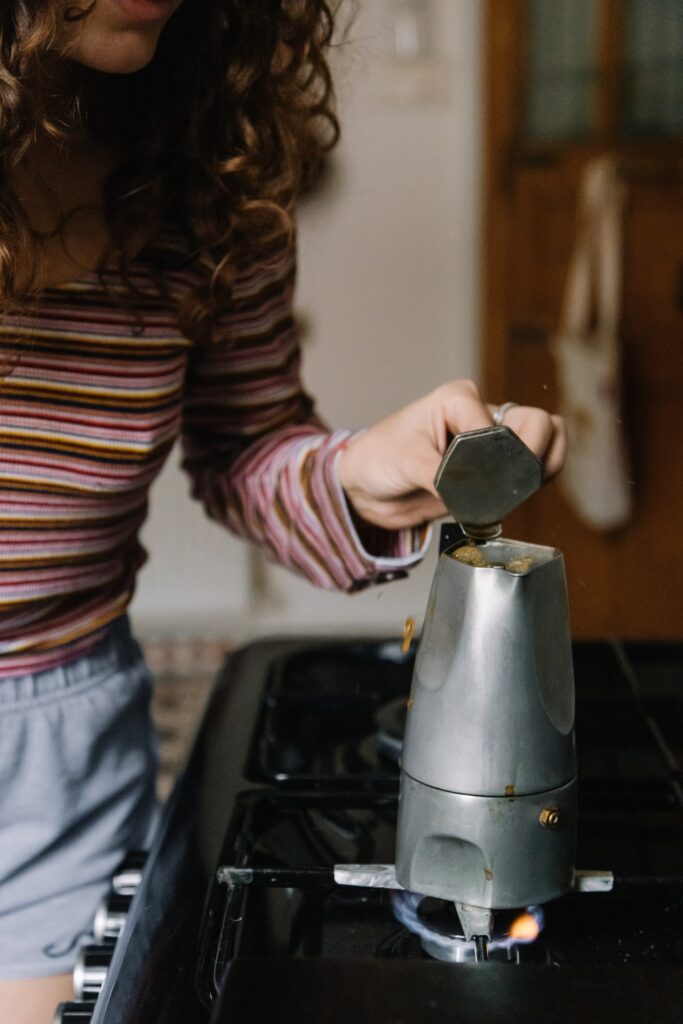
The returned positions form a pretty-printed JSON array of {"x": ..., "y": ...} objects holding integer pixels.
[{"x": 549, "y": 817}]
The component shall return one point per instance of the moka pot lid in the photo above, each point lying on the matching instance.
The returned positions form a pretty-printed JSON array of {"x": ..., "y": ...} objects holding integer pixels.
[{"x": 484, "y": 475}]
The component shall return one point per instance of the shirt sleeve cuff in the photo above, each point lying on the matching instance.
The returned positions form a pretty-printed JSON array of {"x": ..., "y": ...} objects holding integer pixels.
[{"x": 386, "y": 554}]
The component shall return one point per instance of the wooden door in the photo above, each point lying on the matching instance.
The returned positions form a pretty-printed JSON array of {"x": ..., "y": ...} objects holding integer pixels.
[{"x": 629, "y": 582}]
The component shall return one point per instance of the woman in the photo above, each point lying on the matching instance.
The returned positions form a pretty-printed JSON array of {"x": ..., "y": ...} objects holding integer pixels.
[{"x": 153, "y": 153}]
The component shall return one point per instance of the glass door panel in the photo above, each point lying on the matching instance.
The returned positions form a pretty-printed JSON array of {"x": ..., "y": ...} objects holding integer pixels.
[
  {"x": 562, "y": 73},
  {"x": 653, "y": 69}
]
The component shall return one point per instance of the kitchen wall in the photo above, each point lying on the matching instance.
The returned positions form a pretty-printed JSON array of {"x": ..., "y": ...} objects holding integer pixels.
[{"x": 389, "y": 285}]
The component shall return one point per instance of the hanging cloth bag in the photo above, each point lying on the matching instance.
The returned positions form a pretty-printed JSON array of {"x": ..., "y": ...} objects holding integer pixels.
[{"x": 596, "y": 479}]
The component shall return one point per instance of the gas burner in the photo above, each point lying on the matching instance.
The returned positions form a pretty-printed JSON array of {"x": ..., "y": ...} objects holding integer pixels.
[
  {"x": 323, "y": 720},
  {"x": 441, "y": 936},
  {"x": 391, "y": 723},
  {"x": 378, "y": 751}
]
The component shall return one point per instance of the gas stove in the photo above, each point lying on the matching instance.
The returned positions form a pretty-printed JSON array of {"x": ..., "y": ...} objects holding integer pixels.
[{"x": 237, "y": 915}]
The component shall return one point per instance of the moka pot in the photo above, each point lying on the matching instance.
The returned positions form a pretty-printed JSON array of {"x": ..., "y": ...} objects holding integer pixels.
[{"x": 487, "y": 811}]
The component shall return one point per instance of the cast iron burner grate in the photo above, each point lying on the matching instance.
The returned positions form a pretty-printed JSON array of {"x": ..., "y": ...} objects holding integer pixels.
[
  {"x": 331, "y": 727},
  {"x": 286, "y": 903},
  {"x": 295, "y": 770}
]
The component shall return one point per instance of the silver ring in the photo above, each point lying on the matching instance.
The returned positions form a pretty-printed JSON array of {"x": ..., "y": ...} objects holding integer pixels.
[{"x": 502, "y": 411}]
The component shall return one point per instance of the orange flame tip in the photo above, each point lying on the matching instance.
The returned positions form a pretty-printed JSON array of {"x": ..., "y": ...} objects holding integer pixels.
[{"x": 524, "y": 928}]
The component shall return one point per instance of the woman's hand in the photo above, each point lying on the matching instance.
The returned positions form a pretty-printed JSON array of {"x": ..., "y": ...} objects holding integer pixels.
[{"x": 388, "y": 470}]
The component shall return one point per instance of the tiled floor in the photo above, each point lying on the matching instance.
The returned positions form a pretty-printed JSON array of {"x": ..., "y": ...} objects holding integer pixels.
[{"x": 184, "y": 673}]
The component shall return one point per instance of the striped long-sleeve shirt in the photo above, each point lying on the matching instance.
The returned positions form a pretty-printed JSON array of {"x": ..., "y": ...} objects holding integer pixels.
[{"x": 91, "y": 402}]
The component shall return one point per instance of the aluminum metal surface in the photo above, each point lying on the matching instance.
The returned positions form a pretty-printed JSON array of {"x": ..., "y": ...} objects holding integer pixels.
[
  {"x": 77, "y": 1012},
  {"x": 484, "y": 475},
  {"x": 369, "y": 876},
  {"x": 475, "y": 921},
  {"x": 462, "y": 952},
  {"x": 489, "y": 852},
  {"x": 110, "y": 917},
  {"x": 126, "y": 879},
  {"x": 491, "y": 711},
  {"x": 587, "y": 880},
  {"x": 90, "y": 971}
]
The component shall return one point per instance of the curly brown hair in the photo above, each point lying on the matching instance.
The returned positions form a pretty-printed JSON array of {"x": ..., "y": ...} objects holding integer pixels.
[{"x": 222, "y": 132}]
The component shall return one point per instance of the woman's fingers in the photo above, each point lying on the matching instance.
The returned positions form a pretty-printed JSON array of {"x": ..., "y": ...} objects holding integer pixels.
[
  {"x": 557, "y": 452},
  {"x": 420, "y": 507},
  {"x": 533, "y": 426},
  {"x": 388, "y": 470},
  {"x": 544, "y": 433},
  {"x": 462, "y": 408},
  {"x": 423, "y": 509}
]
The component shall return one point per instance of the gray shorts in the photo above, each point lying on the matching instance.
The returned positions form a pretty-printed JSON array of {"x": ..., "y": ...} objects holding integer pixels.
[{"x": 77, "y": 773}]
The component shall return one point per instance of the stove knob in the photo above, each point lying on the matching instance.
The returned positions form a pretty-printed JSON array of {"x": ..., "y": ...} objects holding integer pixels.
[
  {"x": 73, "y": 1013},
  {"x": 128, "y": 874},
  {"x": 111, "y": 917},
  {"x": 90, "y": 972}
]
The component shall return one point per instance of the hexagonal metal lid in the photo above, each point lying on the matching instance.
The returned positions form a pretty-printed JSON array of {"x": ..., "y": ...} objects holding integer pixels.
[{"x": 484, "y": 475}]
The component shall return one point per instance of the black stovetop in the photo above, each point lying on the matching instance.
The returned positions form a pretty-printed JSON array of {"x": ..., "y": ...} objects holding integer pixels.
[{"x": 296, "y": 770}]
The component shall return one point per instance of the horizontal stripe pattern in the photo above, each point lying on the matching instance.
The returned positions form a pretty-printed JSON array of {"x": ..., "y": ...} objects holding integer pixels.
[{"x": 94, "y": 399}]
